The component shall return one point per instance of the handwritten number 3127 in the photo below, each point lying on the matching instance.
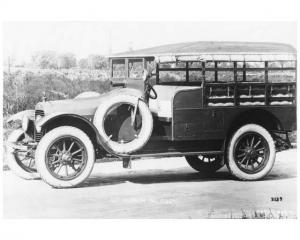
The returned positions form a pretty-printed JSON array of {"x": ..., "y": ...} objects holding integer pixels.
[{"x": 276, "y": 199}]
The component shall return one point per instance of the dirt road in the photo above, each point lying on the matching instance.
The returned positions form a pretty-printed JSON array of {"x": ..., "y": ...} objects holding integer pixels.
[{"x": 158, "y": 188}]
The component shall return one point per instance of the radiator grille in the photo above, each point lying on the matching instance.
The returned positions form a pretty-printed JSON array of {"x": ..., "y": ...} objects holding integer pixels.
[
  {"x": 38, "y": 136},
  {"x": 40, "y": 113}
]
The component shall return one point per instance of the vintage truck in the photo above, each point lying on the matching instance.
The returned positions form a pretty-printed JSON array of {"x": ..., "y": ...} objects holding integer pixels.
[{"x": 214, "y": 103}]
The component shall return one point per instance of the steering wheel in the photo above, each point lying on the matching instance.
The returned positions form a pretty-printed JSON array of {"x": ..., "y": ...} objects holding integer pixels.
[
  {"x": 148, "y": 86},
  {"x": 151, "y": 89}
]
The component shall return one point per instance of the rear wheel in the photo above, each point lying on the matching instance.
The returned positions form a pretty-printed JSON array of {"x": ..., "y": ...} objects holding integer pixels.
[
  {"x": 205, "y": 164},
  {"x": 65, "y": 157},
  {"x": 251, "y": 153}
]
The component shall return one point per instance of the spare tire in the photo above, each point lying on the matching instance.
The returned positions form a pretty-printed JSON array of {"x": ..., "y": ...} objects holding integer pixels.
[{"x": 113, "y": 120}]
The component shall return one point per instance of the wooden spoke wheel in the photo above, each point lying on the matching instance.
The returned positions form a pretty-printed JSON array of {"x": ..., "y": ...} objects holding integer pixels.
[
  {"x": 251, "y": 152},
  {"x": 21, "y": 162},
  {"x": 65, "y": 157}
]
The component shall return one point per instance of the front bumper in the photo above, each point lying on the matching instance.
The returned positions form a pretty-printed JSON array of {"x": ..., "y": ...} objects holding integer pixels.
[{"x": 24, "y": 147}]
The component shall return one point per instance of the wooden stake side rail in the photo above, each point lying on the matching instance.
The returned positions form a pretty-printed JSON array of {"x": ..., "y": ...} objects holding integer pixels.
[
  {"x": 222, "y": 69},
  {"x": 266, "y": 69},
  {"x": 237, "y": 86}
]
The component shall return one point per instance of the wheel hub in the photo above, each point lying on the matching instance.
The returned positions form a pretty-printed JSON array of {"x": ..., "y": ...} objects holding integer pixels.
[
  {"x": 66, "y": 158},
  {"x": 250, "y": 152}
]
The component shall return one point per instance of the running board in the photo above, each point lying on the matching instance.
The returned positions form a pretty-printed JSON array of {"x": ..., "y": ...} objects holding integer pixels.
[{"x": 175, "y": 154}]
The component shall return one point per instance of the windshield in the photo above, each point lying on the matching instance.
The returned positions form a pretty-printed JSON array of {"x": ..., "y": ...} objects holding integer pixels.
[{"x": 118, "y": 68}]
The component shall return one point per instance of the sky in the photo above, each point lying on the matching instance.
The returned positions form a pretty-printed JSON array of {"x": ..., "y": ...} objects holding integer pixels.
[{"x": 22, "y": 39}]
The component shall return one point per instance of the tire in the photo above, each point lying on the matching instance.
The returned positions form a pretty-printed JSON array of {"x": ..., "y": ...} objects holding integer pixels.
[
  {"x": 68, "y": 140},
  {"x": 206, "y": 165},
  {"x": 251, "y": 144},
  {"x": 15, "y": 161},
  {"x": 144, "y": 133}
]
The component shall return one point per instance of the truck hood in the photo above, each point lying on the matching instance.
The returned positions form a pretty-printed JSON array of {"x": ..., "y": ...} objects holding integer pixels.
[{"x": 83, "y": 106}]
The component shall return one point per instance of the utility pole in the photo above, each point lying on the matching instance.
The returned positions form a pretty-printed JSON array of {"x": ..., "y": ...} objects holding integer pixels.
[
  {"x": 109, "y": 42},
  {"x": 8, "y": 65}
]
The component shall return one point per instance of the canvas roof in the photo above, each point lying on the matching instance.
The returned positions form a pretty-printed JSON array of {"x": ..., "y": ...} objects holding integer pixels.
[{"x": 239, "y": 51}]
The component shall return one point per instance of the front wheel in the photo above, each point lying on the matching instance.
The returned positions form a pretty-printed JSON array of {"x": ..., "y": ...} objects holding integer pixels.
[
  {"x": 251, "y": 153},
  {"x": 65, "y": 157}
]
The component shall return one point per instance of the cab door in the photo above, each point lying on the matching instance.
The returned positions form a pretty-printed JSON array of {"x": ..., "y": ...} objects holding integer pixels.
[{"x": 193, "y": 121}]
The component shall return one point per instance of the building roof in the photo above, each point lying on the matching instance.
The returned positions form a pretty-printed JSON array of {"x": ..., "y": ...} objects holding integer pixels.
[{"x": 216, "y": 49}]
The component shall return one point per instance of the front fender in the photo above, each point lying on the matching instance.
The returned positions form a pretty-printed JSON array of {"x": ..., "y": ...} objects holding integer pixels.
[
  {"x": 39, "y": 124},
  {"x": 20, "y": 115},
  {"x": 51, "y": 117}
]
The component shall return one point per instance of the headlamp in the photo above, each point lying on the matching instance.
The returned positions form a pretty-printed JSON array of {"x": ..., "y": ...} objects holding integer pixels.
[{"x": 38, "y": 118}]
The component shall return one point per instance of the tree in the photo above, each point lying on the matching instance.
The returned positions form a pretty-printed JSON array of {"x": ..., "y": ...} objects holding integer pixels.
[
  {"x": 45, "y": 59},
  {"x": 83, "y": 63},
  {"x": 66, "y": 60},
  {"x": 97, "y": 62}
]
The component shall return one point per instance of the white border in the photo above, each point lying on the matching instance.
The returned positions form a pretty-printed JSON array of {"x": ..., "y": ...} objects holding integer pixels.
[{"x": 153, "y": 10}]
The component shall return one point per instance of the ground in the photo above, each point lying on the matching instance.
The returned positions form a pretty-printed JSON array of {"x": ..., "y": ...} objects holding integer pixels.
[{"x": 158, "y": 188}]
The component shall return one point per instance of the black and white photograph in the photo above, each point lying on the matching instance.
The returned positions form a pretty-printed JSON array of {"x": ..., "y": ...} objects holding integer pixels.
[
  {"x": 164, "y": 127},
  {"x": 191, "y": 120}
]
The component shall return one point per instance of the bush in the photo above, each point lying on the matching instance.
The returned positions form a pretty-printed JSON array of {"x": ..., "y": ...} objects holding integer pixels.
[{"x": 23, "y": 90}]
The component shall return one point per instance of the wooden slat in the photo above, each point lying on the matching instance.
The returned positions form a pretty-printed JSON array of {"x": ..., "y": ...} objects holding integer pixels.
[
  {"x": 282, "y": 98},
  {"x": 216, "y": 71},
  {"x": 244, "y": 71},
  {"x": 203, "y": 70},
  {"x": 203, "y": 86},
  {"x": 266, "y": 81},
  {"x": 157, "y": 73},
  {"x": 187, "y": 71},
  {"x": 228, "y": 69},
  {"x": 235, "y": 83}
]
